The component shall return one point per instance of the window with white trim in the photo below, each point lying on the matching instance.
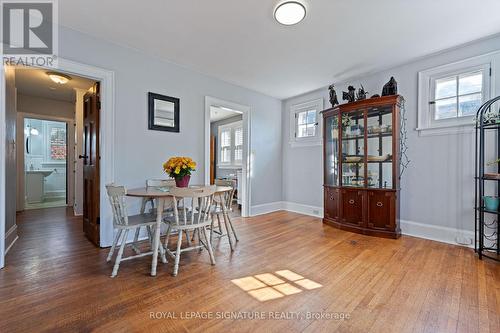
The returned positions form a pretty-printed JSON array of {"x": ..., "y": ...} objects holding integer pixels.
[
  {"x": 305, "y": 123},
  {"x": 230, "y": 145},
  {"x": 450, "y": 95}
]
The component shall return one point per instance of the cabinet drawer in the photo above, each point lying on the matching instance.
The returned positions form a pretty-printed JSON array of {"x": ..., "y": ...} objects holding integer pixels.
[
  {"x": 331, "y": 203},
  {"x": 352, "y": 206},
  {"x": 381, "y": 210}
]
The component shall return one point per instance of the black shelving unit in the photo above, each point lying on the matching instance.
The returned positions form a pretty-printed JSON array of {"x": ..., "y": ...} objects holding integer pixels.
[{"x": 486, "y": 232}]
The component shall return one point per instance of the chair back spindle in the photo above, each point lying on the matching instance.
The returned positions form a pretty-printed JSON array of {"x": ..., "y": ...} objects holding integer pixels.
[{"x": 116, "y": 196}]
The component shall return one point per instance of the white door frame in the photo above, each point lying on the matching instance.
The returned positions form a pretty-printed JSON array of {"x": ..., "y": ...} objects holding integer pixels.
[
  {"x": 70, "y": 156},
  {"x": 245, "y": 110},
  {"x": 107, "y": 138}
]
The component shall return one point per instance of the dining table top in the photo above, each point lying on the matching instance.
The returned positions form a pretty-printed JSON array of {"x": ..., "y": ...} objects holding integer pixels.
[{"x": 163, "y": 191}]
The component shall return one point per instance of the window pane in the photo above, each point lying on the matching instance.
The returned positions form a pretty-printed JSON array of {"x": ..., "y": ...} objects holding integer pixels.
[
  {"x": 446, "y": 87},
  {"x": 302, "y": 131},
  {"x": 238, "y": 136},
  {"x": 311, "y": 130},
  {"x": 302, "y": 118},
  {"x": 225, "y": 138},
  {"x": 470, "y": 83},
  {"x": 446, "y": 108},
  {"x": 225, "y": 155},
  {"x": 468, "y": 105},
  {"x": 238, "y": 154},
  {"x": 311, "y": 117}
]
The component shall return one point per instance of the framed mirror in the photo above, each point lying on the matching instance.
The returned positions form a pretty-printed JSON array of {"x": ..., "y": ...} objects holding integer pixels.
[{"x": 163, "y": 113}]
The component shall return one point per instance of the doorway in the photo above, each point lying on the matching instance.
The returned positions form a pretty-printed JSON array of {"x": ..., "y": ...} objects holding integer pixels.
[
  {"x": 45, "y": 163},
  {"x": 227, "y": 149}
]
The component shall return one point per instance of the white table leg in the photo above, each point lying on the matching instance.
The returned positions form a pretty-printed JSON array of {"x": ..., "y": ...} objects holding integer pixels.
[{"x": 156, "y": 240}]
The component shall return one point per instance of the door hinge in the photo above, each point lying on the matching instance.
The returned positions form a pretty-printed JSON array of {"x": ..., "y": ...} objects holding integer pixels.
[
  {"x": 490, "y": 71},
  {"x": 99, "y": 105},
  {"x": 98, "y": 220}
]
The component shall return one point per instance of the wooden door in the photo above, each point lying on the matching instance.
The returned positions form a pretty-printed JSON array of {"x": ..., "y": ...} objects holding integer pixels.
[
  {"x": 91, "y": 164},
  {"x": 381, "y": 210},
  {"x": 352, "y": 207},
  {"x": 212, "y": 159},
  {"x": 332, "y": 203}
]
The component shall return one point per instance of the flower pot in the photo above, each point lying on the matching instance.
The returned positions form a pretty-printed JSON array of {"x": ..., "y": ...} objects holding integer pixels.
[
  {"x": 182, "y": 181},
  {"x": 491, "y": 203}
]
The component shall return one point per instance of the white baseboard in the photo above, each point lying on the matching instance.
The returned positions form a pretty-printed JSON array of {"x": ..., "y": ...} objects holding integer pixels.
[
  {"x": 437, "y": 233},
  {"x": 266, "y": 208},
  {"x": 409, "y": 228},
  {"x": 303, "y": 209}
]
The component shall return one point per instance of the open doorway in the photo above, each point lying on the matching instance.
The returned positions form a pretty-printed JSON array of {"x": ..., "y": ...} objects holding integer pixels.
[
  {"x": 227, "y": 150},
  {"x": 49, "y": 111}
]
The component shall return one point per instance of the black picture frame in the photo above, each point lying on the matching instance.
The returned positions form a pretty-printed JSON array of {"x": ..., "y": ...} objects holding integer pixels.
[{"x": 152, "y": 123}]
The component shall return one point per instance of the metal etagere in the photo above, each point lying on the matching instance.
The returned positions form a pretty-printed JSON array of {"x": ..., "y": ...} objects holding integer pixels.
[{"x": 487, "y": 228}]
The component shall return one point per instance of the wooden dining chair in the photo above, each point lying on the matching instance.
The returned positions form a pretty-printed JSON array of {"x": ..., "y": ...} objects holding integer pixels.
[
  {"x": 193, "y": 215},
  {"x": 222, "y": 206},
  {"x": 166, "y": 210},
  {"x": 125, "y": 223}
]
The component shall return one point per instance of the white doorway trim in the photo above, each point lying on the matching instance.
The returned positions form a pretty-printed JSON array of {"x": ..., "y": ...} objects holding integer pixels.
[
  {"x": 70, "y": 156},
  {"x": 246, "y": 169},
  {"x": 107, "y": 138}
]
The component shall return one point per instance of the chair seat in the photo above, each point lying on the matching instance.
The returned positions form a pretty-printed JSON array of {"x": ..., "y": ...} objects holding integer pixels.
[{"x": 139, "y": 219}]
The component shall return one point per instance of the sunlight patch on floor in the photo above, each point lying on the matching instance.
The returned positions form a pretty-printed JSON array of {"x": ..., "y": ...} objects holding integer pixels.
[{"x": 268, "y": 286}]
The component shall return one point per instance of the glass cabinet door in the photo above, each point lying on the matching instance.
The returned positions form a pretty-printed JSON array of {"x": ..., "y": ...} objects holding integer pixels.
[
  {"x": 332, "y": 151},
  {"x": 379, "y": 158},
  {"x": 353, "y": 148}
]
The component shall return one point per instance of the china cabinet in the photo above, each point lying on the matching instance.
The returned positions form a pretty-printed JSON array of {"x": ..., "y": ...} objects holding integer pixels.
[{"x": 361, "y": 166}]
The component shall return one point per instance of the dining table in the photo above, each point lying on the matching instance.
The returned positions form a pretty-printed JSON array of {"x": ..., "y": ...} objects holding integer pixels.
[{"x": 161, "y": 195}]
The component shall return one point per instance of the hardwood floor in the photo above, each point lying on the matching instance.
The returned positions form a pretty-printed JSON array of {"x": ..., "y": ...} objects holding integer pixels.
[{"x": 57, "y": 281}]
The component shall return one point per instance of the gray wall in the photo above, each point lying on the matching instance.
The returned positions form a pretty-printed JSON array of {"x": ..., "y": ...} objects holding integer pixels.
[
  {"x": 214, "y": 130},
  {"x": 139, "y": 152},
  {"x": 438, "y": 187}
]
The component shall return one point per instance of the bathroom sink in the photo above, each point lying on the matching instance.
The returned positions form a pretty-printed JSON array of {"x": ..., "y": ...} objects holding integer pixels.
[{"x": 44, "y": 173}]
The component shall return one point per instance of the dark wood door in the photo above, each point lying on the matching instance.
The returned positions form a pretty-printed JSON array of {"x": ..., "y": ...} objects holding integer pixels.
[
  {"x": 332, "y": 203},
  {"x": 352, "y": 207},
  {"x": 381, "y": 210},
  {"x": 91, "y": 164}
]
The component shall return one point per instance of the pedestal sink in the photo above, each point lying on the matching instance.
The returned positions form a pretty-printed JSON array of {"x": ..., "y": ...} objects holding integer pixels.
[{"x": 35, "y": 181}]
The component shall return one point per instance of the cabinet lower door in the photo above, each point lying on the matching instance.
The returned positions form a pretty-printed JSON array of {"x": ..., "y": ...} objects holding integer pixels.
[
  {"x": 352, "y": 207},
  {"x": 382, "y": 210},
  {"x": 331, "y": 203}
]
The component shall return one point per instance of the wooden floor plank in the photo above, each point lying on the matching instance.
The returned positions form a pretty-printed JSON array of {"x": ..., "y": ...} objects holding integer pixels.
[{"x": 57, "y": 281}]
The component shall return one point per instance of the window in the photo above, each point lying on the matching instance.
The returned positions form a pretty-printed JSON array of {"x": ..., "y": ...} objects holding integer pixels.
[
  {"x": 457, "y": 96},
  {"x": 450, "y": 95},
  {"x": 230, "y": 145},
  {"x": 305, "y": 123}
]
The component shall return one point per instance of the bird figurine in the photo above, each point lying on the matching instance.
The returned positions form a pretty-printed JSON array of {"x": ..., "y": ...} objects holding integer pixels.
[
  {"x": 361, "y": 94},
  {"x": 390, "y": 88}
]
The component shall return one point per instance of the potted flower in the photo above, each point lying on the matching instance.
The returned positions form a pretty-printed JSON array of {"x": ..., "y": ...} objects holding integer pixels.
[{"x": 180, "y": 169}]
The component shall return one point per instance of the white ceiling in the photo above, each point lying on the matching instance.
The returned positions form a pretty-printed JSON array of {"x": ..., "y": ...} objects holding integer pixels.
[
  {"x": 239, "y": 41},
  {"x": 36, "y": 82},
  {"x": 217, "y": 113}
]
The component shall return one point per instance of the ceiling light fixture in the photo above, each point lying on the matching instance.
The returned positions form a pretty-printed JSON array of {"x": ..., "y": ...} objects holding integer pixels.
[
  {"x": 290, "y": 12},
  {"x": 59, "y": 78}
]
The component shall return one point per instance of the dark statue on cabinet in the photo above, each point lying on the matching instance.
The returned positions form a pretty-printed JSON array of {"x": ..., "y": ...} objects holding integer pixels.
[
  {"x": 361, "y": 94},
  {"x": 333, "y": 96},
  {"x": 390, "y": 88},
  {"x": 350, "y": 95}
]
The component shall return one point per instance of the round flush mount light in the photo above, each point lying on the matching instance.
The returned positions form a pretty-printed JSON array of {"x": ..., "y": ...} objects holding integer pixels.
[
  {"x": 59, "y": 78},
  {"x": 290, "y": 12}
]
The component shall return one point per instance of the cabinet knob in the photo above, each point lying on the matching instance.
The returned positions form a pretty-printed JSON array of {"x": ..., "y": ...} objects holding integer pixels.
[
  {"x": 379, "y": 204},
  {"x": 351, "y": 201}
]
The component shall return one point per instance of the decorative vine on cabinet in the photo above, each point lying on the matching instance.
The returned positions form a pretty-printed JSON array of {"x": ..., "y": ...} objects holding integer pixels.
[{"x": 361, "y": 166}]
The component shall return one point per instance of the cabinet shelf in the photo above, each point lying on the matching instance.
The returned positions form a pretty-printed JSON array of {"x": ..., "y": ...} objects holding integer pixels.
[{"x": 369, "y": 136}]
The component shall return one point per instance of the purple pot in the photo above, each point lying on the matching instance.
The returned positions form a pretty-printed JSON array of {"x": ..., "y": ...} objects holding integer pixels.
[{"x": 183, "y": 181}]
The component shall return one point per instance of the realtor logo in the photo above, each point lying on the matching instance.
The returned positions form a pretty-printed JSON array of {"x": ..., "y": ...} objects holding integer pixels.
[{"x": 29, "y": 32}]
